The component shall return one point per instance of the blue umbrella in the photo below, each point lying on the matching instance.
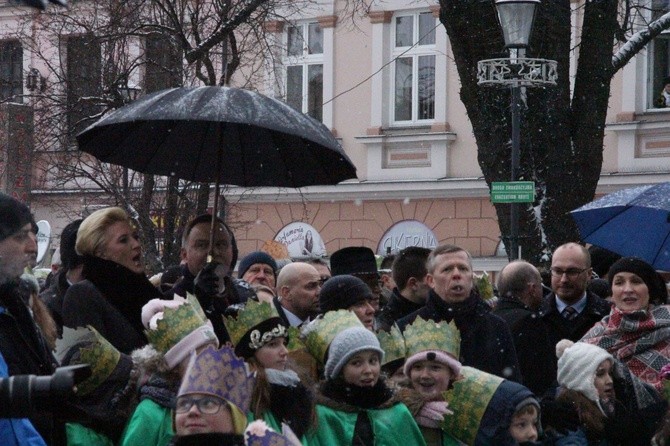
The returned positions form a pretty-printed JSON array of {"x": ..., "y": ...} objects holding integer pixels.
[{"x": 630, "y": 222}]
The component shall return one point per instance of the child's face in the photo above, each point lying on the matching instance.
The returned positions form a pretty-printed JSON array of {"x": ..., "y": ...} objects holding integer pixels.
[
  {"x": 430, "y": 378},
  {"x": 524, "y": 426},
  {"x": 273, "y": 355},
  {"x": 603, "y": 380},
  {"x": 362, "y": 369}
]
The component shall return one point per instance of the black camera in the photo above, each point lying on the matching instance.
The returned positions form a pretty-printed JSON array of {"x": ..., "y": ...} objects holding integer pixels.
[{"x": 21, "y": 395}]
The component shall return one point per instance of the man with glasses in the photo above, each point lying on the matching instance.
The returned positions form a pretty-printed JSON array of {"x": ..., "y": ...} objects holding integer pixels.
[{"x": 570, "y": 310}]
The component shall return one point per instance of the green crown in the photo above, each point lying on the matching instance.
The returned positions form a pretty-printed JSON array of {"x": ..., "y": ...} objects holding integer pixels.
[
  {"x": 93, "y": 349},
  {"x": 393, "y": 344},
  {"x": 424, "y": 335},
  {"x": 294, "y": 342},
  {"x": 468, "y": 399},
  {"x": 176, "y": 324},
  {"x": 318, "y": 334},
  {"x": 247, "y": 318}
]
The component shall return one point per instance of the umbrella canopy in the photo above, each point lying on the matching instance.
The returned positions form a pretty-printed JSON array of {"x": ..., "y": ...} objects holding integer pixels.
[
  {"x": 630, "y": 222},
  {"x": 219, "y": 135}
]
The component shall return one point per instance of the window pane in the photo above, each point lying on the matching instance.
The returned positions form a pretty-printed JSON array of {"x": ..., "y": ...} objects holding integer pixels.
[
  {"x": 315, "y": 39},
  {"x": 294, "y": 87},
  {"x": 294, "y": 44},
  {"x": 426, "y": 87},
  {"x": 659, "y": 69},
  {"x": 84, "y": 68},
  {"x": 11, "y": 71},
  {"x": 404, "y": 30},
  {"x": 315, "y": 91},
  {"x": 403, "y": 89},
  {"x": 164, "y": 63},
  {"x": 426, "y": 28}
]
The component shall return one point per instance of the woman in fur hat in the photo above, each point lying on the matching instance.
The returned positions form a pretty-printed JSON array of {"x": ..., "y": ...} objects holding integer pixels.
[
  {"x": 354, "y": 404},
  {"x": 588, "y": 377},
  {"x": 637, "y": 330},
  {"x": 280, "y": 394}
]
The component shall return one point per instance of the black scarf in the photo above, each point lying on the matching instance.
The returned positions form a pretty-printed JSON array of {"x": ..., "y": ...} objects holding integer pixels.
[
  {"x": 293, "y": 405},
  {"x": 127, "y": 291},
  {"x": 460, "y": 312},
  {"x": 362, "y": 397}
]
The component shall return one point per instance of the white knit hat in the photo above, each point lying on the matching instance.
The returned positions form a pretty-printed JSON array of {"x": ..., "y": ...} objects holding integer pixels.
[
  {"x": 577, "y": 365},
  {"x": 346, "y": 344}
]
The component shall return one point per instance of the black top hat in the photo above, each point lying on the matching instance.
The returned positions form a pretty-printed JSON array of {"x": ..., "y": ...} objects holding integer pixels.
[{"x": 353, "y": 260}]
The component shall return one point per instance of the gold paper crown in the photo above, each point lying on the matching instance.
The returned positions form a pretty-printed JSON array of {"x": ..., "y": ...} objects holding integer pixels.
[
  {"x": 484, "y": 286},
  {"x": 424, "y": 335},
  {"x": 177, "y": 323},
  {"x": 93, "y": 349},
  {"x": 318, "y": 334},
  {"x": 468, "y": 399},
  {"x": 294, "y": 342},
  {"x": 251, "y": 315},
  {"x": 220, "y": 373},
  {"x": 393, "y": 344}
]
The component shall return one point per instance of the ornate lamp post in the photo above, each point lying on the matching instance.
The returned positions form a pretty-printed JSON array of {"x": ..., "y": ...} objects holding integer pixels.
[
  {"x": 125, "y": 93},
  {"x": 516, "y": 72}
]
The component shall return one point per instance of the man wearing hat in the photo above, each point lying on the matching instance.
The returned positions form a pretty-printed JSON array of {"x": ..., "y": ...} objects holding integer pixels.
[
  {"x": 358, "y": 261},
  {"x": 258, "y": 268},
  {"x": 21, "y": 342}
]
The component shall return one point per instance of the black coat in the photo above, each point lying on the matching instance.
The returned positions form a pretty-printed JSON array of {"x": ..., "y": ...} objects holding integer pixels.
[
  {"x": 486, "y": 341},
  {"x": 534, "y": 348},
  {"x": 396, "y": 308},
  {"x": 560, "y": 328}
]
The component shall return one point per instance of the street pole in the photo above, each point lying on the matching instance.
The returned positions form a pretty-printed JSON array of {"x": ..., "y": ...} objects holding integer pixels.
[{"x": 515, "y": 251}]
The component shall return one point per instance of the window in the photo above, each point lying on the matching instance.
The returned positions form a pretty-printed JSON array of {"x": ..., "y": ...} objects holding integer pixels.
[
  {"x": 164, "y": 64},
  {"x": 11, "y": 71},
  {"x": 659, "y": 60},
  {"x": 414, "y": 68},
  {"x": 304, "y": 68},
  {"x": 83, "y": 81}
]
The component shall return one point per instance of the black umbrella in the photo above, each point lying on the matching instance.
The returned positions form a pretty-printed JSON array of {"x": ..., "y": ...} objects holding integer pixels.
[{"x": 221, "y": 135}]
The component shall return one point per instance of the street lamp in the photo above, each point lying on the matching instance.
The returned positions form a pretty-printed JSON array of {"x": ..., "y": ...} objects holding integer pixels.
[
  {"x": 516, "y": 20},
  {"x": 125, "y": 92}
]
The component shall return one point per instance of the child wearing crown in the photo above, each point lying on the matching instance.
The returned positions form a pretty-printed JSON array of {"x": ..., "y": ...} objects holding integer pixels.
[
  {"x": 280, "y": 394},
  {"x": 175, "y": 329},
  {"x": 354, "y": 404}
]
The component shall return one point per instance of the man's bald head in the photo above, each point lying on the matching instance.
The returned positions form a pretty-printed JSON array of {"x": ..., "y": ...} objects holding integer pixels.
[
  {"x": 298, "y": 287},
  {"x": 523, "y": 281}
]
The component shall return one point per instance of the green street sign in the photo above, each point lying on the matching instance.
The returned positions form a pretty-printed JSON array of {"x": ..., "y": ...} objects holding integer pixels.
[{"x": 513, "y": 192}]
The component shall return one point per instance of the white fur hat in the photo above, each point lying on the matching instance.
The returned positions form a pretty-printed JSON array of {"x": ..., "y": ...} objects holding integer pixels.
[
  {"x": 577, "y": 365},
  {"x": 346, "y": 344}
]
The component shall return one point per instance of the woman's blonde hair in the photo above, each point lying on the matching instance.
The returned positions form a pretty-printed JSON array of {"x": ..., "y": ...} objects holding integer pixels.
[{"x": 92, "y": 234}]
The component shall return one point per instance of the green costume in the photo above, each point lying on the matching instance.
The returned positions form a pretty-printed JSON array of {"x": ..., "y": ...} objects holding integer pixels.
[
  {"x": 392, "y": 426},
  {"x": 80, "y": 435},
  {"x": 150, "y": 425}
]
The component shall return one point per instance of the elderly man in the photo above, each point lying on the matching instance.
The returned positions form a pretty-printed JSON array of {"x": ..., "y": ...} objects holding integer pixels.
[
  {"x": 258, "y": 268},
  {"x": 570, "y": 310},
  {"x": 298, "y": 288},
  {"x": 486, "y": 341},
  {"x": 520, "y": 288},
  {"x": 21, "y": 343}
]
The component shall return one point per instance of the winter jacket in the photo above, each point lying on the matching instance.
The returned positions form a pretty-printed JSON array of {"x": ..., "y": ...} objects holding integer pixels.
[
  {"x": 561, "y": 328},
  {"x": 486, "y": 341},
  {"x": 53, "y": 297},
  {"x": 150, "y": 425},
  {"x": 396, "y": 308},
  {"x": 534, "y": 348}
]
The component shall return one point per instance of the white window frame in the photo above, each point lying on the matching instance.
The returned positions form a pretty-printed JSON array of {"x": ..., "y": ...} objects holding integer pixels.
[
  {"x": 414, "y": 52},
  {"x": 305, "y": 60}
]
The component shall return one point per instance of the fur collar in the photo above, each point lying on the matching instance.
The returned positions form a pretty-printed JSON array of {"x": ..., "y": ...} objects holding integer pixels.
[
  {"x": 287, "y": 378},
  {"x": 338, "y": 395},
  {"x": 590, "y": 415}
]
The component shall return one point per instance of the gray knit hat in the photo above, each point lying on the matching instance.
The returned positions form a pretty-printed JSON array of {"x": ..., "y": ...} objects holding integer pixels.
[
  {"x": 14, "y": 215},
  {"x": 346, "y": 344}
]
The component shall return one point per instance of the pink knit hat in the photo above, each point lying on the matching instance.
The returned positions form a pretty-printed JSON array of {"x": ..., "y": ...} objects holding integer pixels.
[{"x": 433, "y": 355}]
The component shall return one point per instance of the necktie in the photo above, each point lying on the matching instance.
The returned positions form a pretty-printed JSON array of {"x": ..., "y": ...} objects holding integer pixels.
[{"x": 569, "y": 313}]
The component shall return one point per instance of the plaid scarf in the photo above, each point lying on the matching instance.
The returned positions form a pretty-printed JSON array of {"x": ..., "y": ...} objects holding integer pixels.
[{"x": 640, "y": 339}]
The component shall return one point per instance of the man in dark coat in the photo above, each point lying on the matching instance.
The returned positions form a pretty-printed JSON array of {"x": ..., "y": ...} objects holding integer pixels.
[
  {"x": 21, "y": 342},
  {"x": 216, "y": 290},
  {"x": 411, "y": 291},
  {"x": 520, "y": 288},
  {"x": 486, "y": 341},
  {"x": 570, "y": 310}
]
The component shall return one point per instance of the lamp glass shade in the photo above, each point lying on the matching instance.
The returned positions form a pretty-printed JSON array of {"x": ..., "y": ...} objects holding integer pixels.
[{"x": 516, "y": 20}]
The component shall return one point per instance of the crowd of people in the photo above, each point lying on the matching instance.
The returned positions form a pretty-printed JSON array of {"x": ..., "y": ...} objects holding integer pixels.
[{"x": 328, "y": 353}]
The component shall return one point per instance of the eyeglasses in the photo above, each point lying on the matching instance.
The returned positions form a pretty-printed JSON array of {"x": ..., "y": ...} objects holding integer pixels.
[
  {"x": 571, "y": 273},
  {"x": 207, "y": 405}
]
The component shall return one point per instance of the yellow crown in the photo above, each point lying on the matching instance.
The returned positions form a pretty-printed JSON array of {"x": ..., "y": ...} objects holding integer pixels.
[
  {"x": 177, "y": 323},
  {"x": 393, "y": 344},
  {"x": 468, "y": 399},
  {"x": 294, "y": 342},
  {"x": 424, "y": 335},
  {"x": 86, "y": 346},
  {"x": 247, "y": 318},
  {"x": 318, "y": 334}
]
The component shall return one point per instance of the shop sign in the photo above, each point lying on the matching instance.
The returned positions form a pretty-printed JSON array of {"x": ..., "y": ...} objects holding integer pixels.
[
  {"x": 301, "y": 240},
  {"x": 406, "y": 233}
]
